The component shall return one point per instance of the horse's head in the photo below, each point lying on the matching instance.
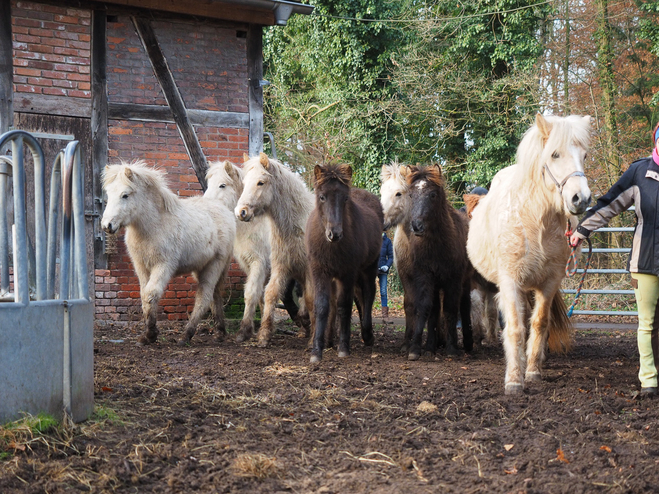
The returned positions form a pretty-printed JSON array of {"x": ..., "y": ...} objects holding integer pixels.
[
  {"x": 225, "y": 183},
  {"x": 258, "y": 175},
  {"x": 565, "y": 143},
  {"x": 394, "y": 194},
  {"x": 427, "y": 196},
  {"x": 122, "y": 184},
  {"x": 332, "y": 186}
]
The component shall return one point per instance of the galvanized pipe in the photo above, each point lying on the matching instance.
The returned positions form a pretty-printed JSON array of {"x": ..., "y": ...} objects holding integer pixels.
[
  {"x": 53, "y": 218},
  {"x": 5, "y": 165},
  {"x": 78, "y": 203}
]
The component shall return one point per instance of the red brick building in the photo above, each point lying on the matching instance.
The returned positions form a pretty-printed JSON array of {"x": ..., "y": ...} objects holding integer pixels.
[{"x": 177, "y": 83}]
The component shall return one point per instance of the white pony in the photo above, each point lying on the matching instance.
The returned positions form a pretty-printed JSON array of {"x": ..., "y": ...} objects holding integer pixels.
[
  {"x": 273, "y": 190},
  {"x": 516, "y": 239},
  {"x": 252, "y": 246},
  {"x": 167, "y": 236}
]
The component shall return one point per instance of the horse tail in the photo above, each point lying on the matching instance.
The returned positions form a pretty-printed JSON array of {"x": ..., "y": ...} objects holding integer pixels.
[{"x": 560, "y": 326}]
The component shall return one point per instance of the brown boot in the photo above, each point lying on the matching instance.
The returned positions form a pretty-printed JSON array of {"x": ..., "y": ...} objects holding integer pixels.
[{"x": 385, "y": 312}]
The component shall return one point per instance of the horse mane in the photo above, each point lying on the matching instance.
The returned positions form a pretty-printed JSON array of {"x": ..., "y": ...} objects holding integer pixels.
[
  {"x": 536, "y": 148},
  {"x": 395, "y": 170},
  {"x": 138, "y": 174},
  {"x": 323, "y": 174},
  {"x": 432, "y": 174}
]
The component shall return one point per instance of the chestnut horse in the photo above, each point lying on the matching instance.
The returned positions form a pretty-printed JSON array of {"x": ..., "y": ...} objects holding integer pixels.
[
  {"x": 343, "y": 239},
  {"x": 439, "y": 258}
]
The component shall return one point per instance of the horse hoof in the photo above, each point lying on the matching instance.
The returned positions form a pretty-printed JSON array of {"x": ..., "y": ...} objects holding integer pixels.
[
  {"x": 302, "y": 334},
  {"x": 143, "y": 341},
  {"x": 183, "y": 342},
  {"x": 315, "y": 359},
  {"x": 343, "y": 353},
  {"x": 240, "y": 337},
  {"x": 533, "y": 377},
  {"x": 514, "y": 388},
  {"x": 263, "y": 344},
  {"x": 414, "y": 356},
  {"x": 404, "y": 349},
  {"x": 370, "y": 341}
]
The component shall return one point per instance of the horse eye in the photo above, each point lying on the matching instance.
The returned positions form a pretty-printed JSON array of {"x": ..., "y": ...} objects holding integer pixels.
[
  {"x": 322, "y": 198},
  {"x": 433, "y": 195},
  {"x": 124, "y": 196},
  {"x": 555, "y": 155},
  {"x": 398, "y": 194},
  {"x": 223, "y": 186},
  {"x": 260, "y": 183}
]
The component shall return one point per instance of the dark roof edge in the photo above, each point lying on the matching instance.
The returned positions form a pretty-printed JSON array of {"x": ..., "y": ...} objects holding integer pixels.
[{"x": 282, "y": 9}]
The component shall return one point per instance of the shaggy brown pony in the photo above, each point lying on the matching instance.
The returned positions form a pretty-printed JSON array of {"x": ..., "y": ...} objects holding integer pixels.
[
  {"x": 440, "y": 263},
  {"x": 343, "y": 239}
]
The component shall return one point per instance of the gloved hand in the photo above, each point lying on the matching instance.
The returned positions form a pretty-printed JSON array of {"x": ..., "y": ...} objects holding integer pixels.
[
  {"x": 384, "y": 269},
  {"x": 576, "y": 239}
]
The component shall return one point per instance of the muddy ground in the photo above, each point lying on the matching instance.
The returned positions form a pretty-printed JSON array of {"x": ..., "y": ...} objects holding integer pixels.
[{"x": 237, "y": 418}]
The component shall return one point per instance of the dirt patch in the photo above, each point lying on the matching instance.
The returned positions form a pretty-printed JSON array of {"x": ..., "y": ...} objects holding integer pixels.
[{"x": 236, "y": 418}]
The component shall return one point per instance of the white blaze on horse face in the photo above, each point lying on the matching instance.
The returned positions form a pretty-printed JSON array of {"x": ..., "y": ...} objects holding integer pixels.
[
  {"x": 576, "y": 194},
  {"x": 119, "y": 207},
  {"x": 395, "y": 200},
  {"x": 256, "y": 196}
]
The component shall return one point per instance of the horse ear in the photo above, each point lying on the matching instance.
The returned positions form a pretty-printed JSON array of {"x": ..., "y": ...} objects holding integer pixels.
[
  {"x": 543, "y": 126},
  {"x": 404, "y": 171},
  {"x": 245, "y": 157},
  {"x": 439, "y": 171},
  {"x": 346, "y": 173},
  {"x": 386, "y": 172},
  {"x": 588, "y": 120},
  {"x": 129, "y": 174},
  {"x": 317, "y": 174},
  {"x": 228, "y": 167},
  {"x": 263, "y": 159}
]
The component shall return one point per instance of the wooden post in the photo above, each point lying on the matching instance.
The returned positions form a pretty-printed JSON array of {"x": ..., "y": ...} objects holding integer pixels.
[
  {"x": 164, "y": 75},
  {"x": 255, "y": 74},
  {"x": 6, "y": 68},
  {"x": 99, "y": 128}
]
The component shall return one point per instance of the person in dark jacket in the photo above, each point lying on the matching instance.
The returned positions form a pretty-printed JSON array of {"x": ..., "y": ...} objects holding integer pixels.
[
  {"x": 386, "y": 260},
  {"x": 639, "y": 186}
]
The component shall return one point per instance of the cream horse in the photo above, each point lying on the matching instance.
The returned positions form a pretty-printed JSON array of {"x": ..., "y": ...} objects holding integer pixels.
[
  {"x": 167, "y": 236},
  {"x": 252, "y": 246},
  {"x": 274, "y": 191},
  {"x": 516, "y": 240}
]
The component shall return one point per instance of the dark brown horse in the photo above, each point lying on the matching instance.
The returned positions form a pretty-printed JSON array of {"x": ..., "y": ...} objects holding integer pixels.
[
  {"x": 343, "y": 239},
  {"x": 441, "y": 267}
]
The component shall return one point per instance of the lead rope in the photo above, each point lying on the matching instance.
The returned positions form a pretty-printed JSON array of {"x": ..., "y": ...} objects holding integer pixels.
[{"x": 569, "y": 272}]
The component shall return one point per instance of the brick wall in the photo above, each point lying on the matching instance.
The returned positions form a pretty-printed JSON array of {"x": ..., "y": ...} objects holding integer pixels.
[{"x": 51, "y": 49}]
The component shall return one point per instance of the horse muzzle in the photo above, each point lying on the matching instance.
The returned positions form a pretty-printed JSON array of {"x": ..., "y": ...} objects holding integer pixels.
[
  {"x": 110, "y": 228},
  {"x": 418, "y": 228},
  {"x": 244, "y": 214},
  {"x": 579, "y": 203},
  {"x": 333, "y": 235}
]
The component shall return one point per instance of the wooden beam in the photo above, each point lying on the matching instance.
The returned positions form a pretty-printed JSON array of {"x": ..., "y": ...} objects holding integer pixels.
[
  {"x": 159, "y": 113},
  {"x": 204, "y": 8},
  {"x": 52, "y": 105},
  {"x": 6, "y": 68},
  {"x": 255, "y": 74},
  {"x": 166, "y": 79},
  {"x": 99, "y": 128}
]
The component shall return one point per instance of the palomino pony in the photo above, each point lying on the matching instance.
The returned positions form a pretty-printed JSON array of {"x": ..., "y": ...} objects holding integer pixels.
[
  {"x": 252, "y": 246},
  {"x": 343, "y": 239},
  {"x": 439, "y": 259},
  {"x": 516, "y": 239},
  {"x": 273, "y": 190},
  {"x": 167, "y": 236}
]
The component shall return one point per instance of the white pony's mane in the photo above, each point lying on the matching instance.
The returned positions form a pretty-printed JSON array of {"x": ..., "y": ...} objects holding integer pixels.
[
  {"x": 144, "y": 177},
  {"x": 392, "y": 171},
  {"x": 533, "y": 152}
]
